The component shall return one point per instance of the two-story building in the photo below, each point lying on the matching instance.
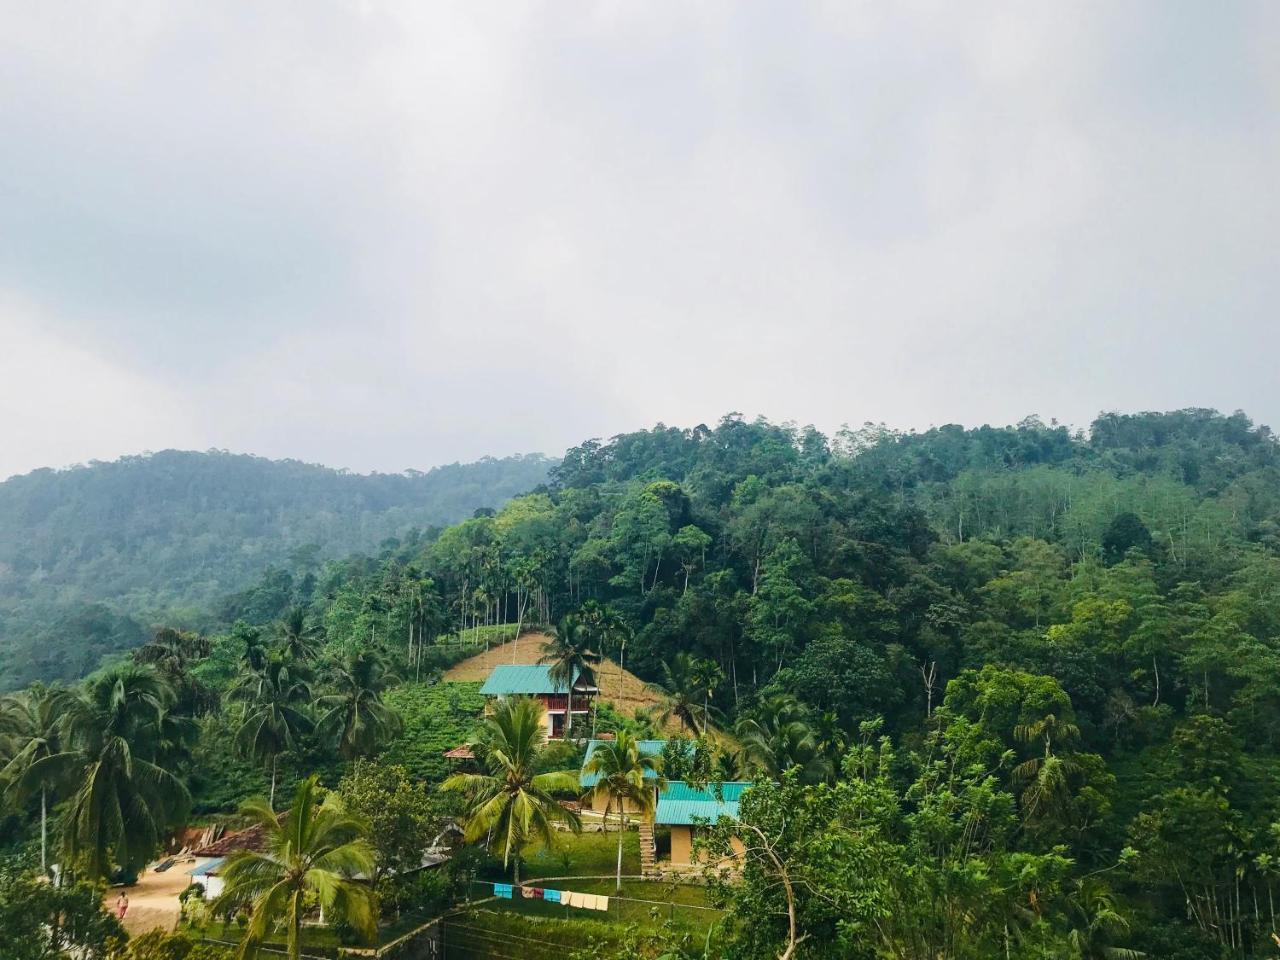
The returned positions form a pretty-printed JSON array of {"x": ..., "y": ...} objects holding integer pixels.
[{"x": 518, "y": 680}]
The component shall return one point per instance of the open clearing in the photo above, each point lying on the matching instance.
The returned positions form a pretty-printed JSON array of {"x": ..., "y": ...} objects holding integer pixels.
[{"x": 528, "y": 648}]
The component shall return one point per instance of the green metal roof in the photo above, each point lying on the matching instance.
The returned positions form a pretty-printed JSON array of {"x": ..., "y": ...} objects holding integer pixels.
[
  {"x": 682, "y": 805},
  {"x": 515, "y": 679},
  {"x": 647, "y": 749}
]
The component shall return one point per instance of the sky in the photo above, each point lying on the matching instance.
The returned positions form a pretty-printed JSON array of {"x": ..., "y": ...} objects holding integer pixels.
[{"x": 391, "y": 235}]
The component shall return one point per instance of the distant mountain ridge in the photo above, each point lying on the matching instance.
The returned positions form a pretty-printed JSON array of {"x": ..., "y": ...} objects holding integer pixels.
[{"x": 104, "y": 549}]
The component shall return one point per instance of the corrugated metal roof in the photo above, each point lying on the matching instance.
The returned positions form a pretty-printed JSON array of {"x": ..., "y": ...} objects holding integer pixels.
[
  {"x": 683, "y": 805},
  {"x": 207, "y": 868},
  {"x": 514, "y": 679}
]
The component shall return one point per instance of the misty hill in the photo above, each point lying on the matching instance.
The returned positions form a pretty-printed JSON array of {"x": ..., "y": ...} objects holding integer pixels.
[{"x": 99, "y": 552}]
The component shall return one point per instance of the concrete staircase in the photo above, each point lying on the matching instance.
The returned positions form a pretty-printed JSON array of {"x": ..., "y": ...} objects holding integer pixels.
[{"x": 647, "y": 849}]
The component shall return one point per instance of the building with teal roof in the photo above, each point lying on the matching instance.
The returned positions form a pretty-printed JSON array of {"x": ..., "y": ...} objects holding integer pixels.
[{"x": 534, "y": 680}]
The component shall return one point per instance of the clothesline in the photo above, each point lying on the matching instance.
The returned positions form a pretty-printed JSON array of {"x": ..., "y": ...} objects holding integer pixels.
[
  {"x": 655, "y": 903},
  {"x": 569, "y": 898}
]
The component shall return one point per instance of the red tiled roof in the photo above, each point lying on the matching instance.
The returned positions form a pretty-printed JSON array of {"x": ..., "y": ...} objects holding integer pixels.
[{"x": 463, "y": 752}]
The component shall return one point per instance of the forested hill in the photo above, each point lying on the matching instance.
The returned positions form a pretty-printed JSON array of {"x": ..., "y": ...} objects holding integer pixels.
[
  {"x": 91, "y": 556},
  {"x": 1069, "y": 642}
]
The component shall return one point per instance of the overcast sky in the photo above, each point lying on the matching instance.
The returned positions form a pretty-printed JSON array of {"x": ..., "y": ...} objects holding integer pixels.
[{"x": 382, "y": 236}]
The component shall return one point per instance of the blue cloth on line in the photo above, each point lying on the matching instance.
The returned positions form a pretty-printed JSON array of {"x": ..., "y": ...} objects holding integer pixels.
[
  {"x": 553, "y": 896},
  {"x": 502, "y": 890}
]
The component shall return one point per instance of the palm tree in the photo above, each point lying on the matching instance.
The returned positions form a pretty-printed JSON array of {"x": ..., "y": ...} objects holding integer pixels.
[
  {"x": 172, "y": 652},
  {"x": 607, "y": 630},
  {"x": 297, "y": 637},
  {"x": 354, "y": 715},
  {"x": 116, "y": 736},
  {"x": 315, "y": 851},
  {"x": 622, "y": 770},
  {"x": 508, "y": 803},
  {"x": 31, "y": 723},
  {"x": 1047, "y": 777},
  {"x": 683, "y": 687},
  {"x": 1095, "y": 918},
  {"x": 274, "y": 713},
  {"x": 570, "y": 655},
  {"x": 778, "y": 738}
]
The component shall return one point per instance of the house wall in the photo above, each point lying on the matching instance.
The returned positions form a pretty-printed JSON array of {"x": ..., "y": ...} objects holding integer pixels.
[
  {"x": 212, "y": 885},
  {"x": 600, "y": 803},
  {"x": 682, "y": 847}
]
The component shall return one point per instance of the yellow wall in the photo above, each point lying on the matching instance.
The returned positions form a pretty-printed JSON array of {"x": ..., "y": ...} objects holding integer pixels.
[
  {"x": 600, "y": 802},
  {"x": 682, "y": 846}
]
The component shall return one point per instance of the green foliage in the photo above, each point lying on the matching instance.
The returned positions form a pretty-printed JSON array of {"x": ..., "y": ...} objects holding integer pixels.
[
  {"x": 92, "y": 553},
  {"x": 311, "y": 852},
  {"x": 436, "y": 717},
  {"x": 403, "y": 817},
  {"x": 39, "y": 921}
]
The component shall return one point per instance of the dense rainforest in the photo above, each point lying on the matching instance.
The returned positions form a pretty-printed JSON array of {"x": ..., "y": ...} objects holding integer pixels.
[
  {"x": 1003, "y": 691},
  {"x": 92, "y": 557}
]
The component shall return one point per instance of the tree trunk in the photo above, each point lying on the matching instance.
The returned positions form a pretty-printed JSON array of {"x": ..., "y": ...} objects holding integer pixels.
[
  {"x": 622, "y": 832},
  {"x": 272, "y": 800},
  {"x": 44, "y": 829}
]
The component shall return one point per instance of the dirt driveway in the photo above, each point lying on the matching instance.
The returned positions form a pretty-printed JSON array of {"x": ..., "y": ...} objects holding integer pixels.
[{"x": 153, "y": 900}]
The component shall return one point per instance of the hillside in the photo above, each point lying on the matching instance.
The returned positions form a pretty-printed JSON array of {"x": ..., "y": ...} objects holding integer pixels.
[
  {"x": 92, "y": 556},
  {"x": 627, "y": 696}
]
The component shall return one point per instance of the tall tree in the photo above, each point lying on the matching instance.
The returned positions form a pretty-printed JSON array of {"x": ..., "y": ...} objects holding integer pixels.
[
  {"x": 510, "y": 803},
  {"x": 354, "y": 715},
  {"x": 273, "y": 715},
  {"x": 31, "y": 724},
  {"x": 299, "y": 637},
  {"x": 314, "y": 851},
  {"x": 629, "y": 780},
  {"x": 123, "y": 801},
  {"x": 571, "y": 657}
]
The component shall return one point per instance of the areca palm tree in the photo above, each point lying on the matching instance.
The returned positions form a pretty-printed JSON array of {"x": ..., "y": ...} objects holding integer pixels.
[
  {"x": 123, "y": 801},
  {"x": 509, "y": 803},
  {"x": 570, "y": 655},
  {"x": 354, "y": 715},
  {"x": 31, "y": 725},
  {"x": 273, "y": 714},
  {"x": 622, "y": 769},
  {"x": 607, "y": 630},
  {"x": 1046, "y": 777},
  {"x": 315, "y": 850}
]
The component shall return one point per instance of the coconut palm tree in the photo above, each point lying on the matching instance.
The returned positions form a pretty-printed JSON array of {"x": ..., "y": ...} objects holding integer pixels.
[
  {"x": 354, "y": 716},
  {"x": 172, "y": 652},
  {"x": 622, "y": 769},
  {"x": 298, "y": 638},
  {"x": 315, "y": 850},
  {"x": 273, "y": 713},
  {"x": 778, "y": 737},
  {"x": 509, "y": 803},
  {"x": 685, "y": 693},
  {"x": 570, "y": 655},
  {"x": 1095, "y": 920},
  {"x": 116, "y": 739},
  {"x": 31, "y": 725}
]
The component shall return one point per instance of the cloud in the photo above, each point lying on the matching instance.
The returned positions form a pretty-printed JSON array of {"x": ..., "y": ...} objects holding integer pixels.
[
  {"x": 61, "y": 403},
  {"x": 388, "y": 235}
]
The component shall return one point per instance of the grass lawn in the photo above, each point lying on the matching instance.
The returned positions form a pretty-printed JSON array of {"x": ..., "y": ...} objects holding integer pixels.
[
  {"x": 594, "y": 855},
  {"x": 319, "y": 940},
  {"x": 585, "y": 854}
]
